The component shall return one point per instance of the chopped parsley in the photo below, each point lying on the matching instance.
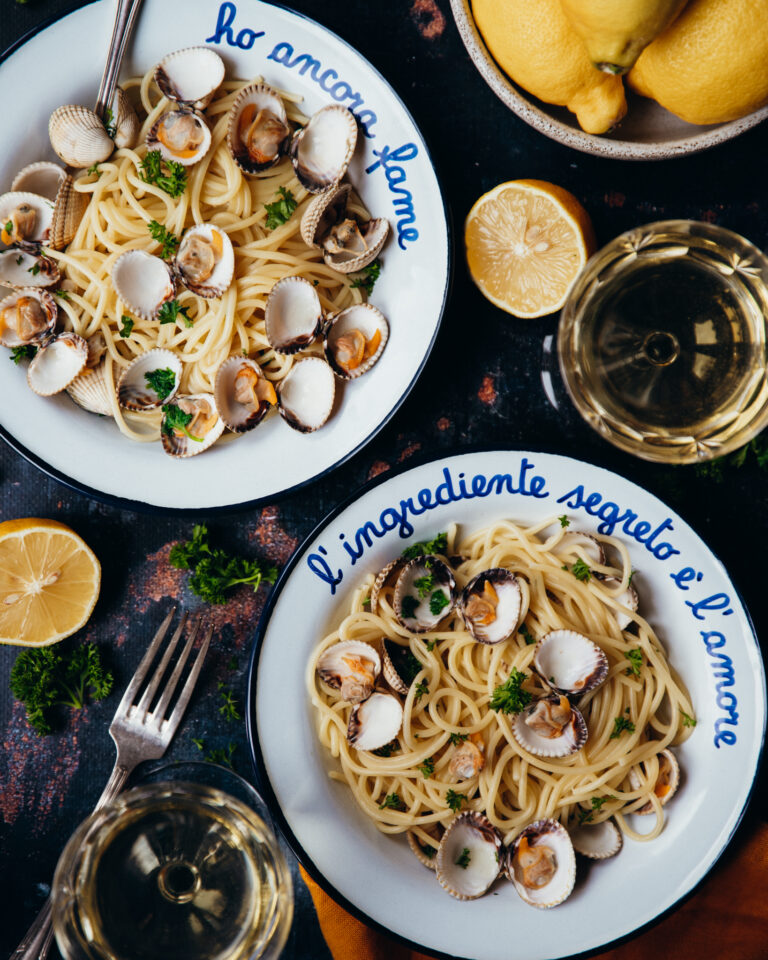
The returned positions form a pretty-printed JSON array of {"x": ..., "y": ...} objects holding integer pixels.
[
  {"x": 368, "y": 277},
  {"x": 426, "y": 547},
  {"x": 716, "y": 469},
  {"x": 8, "y": 228},
  {"x": 281, "y": 210},
  {"x": 438, "y": 602},
  {"x": 408, "y": 606},
  {"x": 581, "y": 571},
  {"x": 170, "y": 242},
  {"x": 199, "y": 743},
  {"x": 427, "y": 768},
  {"x": 232, "y": 663},
  {"x": 585, "y": 816},
  {"x": 421, "y": 688},
  {"x": 222, "y": 755},
  {"x": 688, "y": 721},
  {"x": 25, "y": 352},
  {"x": 19, "y": 260},
  {"x": 431, "y": 644},
  {"x": 176, "y": 419},
  {"x": 34, "y": 269},
  {"x": 109, "y": 122},
  {"x": 425, "y": 585},
  {"x": 388, "y": 749},
  {"x": 228, "y": 708},
  {"x": 214, "y": 570},
  {"x": 635, "y": 658},
  {"x": 166, "y": 174},
  {"x": 564, "y": 521},
  {"x": 526, "y": 634},
  {"x": 464, "y": 859},
  {"x": 61, "y": 294},
  {"x": 126, "y": 325},
  {"x": 171, "y": 310},
  {"x": 162, "y": 381},
  {"x": 392, "y": 801},
  {"x": 455, "y": 800},
  {"x": 427, "y": 849},
  {"x": 94, "y": 170},
  {"x": 367, "y": 603},
  {"x": 510, "y": 696},
  {"x": 457, "y": 738},
  {"x": 620, "y": 724}
]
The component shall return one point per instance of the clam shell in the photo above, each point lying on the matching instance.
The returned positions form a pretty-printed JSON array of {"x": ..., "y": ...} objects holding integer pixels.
[
  {"x": 127, "y": 123},
  {"x": 628, "y": 599},
  {"x": 421, "y": 618},
  {"x": 182, "y": 446},
  {"x": 143, "y": 282},
  {"x": 9, "y": 334},
  {"x": 598, "y": 841},
  {"x": 473, "y": 838},
  {"x": 168, "y": 153},
  {"x": 238, "y": 417},
  {"x": 397, "y": 666},
  {"x": 391, "y": 570},
  {"x": 571, "y": 739},
  {"x": 262, "y": 97},
  {"x": 78, "y": 136},
  {"x": 224, "y": 267},
  {"x": 293, "y": 315},
  {"x": 43, "y": 178},
  {"x": 97, "y": 347},
  {"x": 575, "y": 545},
  {"x": 553, "y": 835},
  {"x": 335, "y": 667},
  {"x": 507, "y": 611},
  {"x": 20, "y": 268},
  {"x": 306, "y": 394},
  {"x": 667, "y": 781},
  {"x": 422, "y": 855},
  {"x": 68, "y": 211},
  {"x": 570, "y": 662},
  {"x": 133, "y": 391},
  {"x": 368, "y": 320},
  {"x": 321, "y": 151},
  {"x": 329, "y": 208},
  {"x": 92, "y": 391},
  {"x": 57, "y": 364},
  {"x": 374, "y": 722},
  {"x": 43, "y": 214},
  {"x": 190, "y": 76}
]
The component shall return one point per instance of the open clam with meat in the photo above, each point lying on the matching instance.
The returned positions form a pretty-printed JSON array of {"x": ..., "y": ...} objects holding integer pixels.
[{"x": 205, "y": 230}]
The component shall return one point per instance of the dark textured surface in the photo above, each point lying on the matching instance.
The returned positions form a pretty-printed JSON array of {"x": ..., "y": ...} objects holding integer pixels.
[{"x": 488, "y": 394}]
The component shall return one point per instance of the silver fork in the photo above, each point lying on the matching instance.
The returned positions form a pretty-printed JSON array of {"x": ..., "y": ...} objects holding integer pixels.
[{"x": 139, "y": 735}]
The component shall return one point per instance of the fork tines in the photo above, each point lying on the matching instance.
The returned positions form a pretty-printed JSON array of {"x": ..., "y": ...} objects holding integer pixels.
[{"x": 129, "y": 704}]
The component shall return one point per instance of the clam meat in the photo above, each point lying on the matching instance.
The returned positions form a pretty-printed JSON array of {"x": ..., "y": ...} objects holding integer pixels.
[
  {"x": 28, "y": 316},
  {"x": 541, "y": 864},
  {"x": 355, "y": 339},
  {"x": 550, "y": 727},
  {"x": 490, "y": 605},
  {"x": 205, "y": 261},
  {"x": 258, "y": 132},
  {"x": 351, "y": 667},
  {"x": 180, "y": 135},
  {"x": 244, "y": 395},
  {"x": 349, "y": 242},
  {"x": 191, "y": 424}
]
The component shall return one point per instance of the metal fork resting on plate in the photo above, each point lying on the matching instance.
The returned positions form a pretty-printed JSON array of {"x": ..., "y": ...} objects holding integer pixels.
[{"x": 139, "y": 735}]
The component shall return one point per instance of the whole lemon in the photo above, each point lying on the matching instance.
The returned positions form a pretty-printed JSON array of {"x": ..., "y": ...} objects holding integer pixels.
[
  {"x": 711, "y": 65},
  {"x": 535, "y": 44}
]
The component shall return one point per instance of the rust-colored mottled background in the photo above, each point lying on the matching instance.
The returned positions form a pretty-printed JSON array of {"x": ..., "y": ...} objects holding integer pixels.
[{"x": 488, "y": 392}]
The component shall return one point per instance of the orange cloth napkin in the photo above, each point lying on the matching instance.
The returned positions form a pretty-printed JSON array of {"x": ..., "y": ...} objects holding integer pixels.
[{"x": 726, "y": 919}]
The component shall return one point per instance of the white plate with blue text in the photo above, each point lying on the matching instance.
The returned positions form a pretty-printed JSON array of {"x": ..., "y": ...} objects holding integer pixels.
[
  {"x": 391, "y": 169},
  {"x": 686, "y": 595}
]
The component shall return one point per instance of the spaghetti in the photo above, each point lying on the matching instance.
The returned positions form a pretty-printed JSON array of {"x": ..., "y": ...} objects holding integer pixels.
[
  {"x": 116, "y": 220},
  {"x": 449, "y": 699}
]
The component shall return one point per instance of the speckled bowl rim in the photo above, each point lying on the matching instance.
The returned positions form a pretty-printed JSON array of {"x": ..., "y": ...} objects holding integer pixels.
[{"x": 703, "y": 139}]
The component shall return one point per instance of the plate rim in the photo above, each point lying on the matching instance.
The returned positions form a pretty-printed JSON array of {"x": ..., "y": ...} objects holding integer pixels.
[
  {"x": 258, "y": 765},
  {"x": 143, "y": 506},
  {"x": 519, "y": 103}
]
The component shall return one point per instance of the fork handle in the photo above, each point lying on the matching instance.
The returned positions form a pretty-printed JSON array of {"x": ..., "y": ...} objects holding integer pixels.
[
  {"x": 125, "y": 18},
  {"x": 115, "y": 784}
]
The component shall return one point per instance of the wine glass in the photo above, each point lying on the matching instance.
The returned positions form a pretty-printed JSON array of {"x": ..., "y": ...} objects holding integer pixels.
[
  {"x": 183, "y": 866},
  {"x": 662, "y": 341}
]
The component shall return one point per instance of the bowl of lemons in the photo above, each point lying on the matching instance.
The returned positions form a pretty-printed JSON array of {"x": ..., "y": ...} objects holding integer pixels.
[{"x": 638, "y": 80}]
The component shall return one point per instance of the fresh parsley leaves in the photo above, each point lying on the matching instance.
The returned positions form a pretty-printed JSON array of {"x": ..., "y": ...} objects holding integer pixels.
[
  {"x": 228, "y": 707},
  {"x": 635, "y": 658},
  {"x": 408, "y": 606},
  {"x": 222, "y": 755},
  {"x": 388, "y": 749},
  {"x": 25, "y": 352},
  {"x": 526, "y": 634},
  {"x": 368, "y": 277},
  {"x": 281, "y": 210},
  {"x": 620, "y": 725},
  {"x": 61, "y": 294},
  {"x": 171, "y": 310},
  {"x": 392, "y": 801},
  {"x": 438, "y": 602},
  {"x": 688, "y": 721},
  {"x": 510, "y": 696},
  {"x": 716, "y": 469},
  {"x": 426, "y": 547},
  {"x": 162, "y": 381},
  {"x": 564, "y": 521},
  {"x": 421, "y": 689},
  {"x": 457, "y": 738},
  {"x": 165, "y": 174},
  {"x": 425, "y": 585},
  {"x": 214, "y": 571},
  {"x": 464, "y": 858},
  {"x": 427, "y": 768},
  {"x": 455, "y": 800},
  {"x": 585, "y": 816},
  {"x": 94, "y": 170},
  {"x": 126, "y": 326},
  {"x": 176, "y": 419},
  {"x": 169, "y": 241},
  {"x": 580, "y": 570}
]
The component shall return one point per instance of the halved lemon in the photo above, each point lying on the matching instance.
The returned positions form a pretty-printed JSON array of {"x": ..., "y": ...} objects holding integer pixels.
[
  {"x": 49, "y": 582},
  {"x": 526, "y": 242}
]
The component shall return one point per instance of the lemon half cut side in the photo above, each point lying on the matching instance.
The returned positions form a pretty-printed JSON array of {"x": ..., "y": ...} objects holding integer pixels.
[
  {"x": 526, "y": 242},
  {"x": 49, "y": 582}
]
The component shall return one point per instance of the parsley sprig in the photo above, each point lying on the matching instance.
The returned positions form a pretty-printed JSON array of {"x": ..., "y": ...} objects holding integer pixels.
[
  {"x": 171, "y": 310},
  {"x": 688, "y": 721},
  {"x": 455, "y": 800},
  {"x": 580, "y": 570},
  {"x": 176, "y": 419},
  {"x": 392, "y": 801},
  {"x": 126, "y": 326},
  {"x": 427, "y": 768},
  {"x": 281, "y": 210},
  {"x": 169, "y": 241},
  {"x": 426, "y": 547},
  {"x": 162, "y": 381},
  {"x": 214, "y": 570},
  {"x": 464, "y": 858},
  {"x": 635, "y": 658},
  {"x": 166, "y": 174},
  {"x": 510, "y": 696},
  {"x": 228, "y": 707},
  {"x": 421, "y": 688},
  {"x": 620, "y": 725},
  {"x": 526, "y": 634},
  {"x": 716, "y": 469},
  {"x": 367, "y": 279},
  {"x": 24, "y": 352},
  {"x": 585, "y": 816}
]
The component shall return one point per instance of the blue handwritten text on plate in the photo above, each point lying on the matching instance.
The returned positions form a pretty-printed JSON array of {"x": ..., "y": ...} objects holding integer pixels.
[
  {"x": 722, "y": 669},
  {"x": 244, "y": 39},
  {"x": 391, "y": 162}
]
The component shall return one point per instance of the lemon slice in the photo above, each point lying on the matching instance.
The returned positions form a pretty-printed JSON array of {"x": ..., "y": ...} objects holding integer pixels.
[
  {"x": 49, "y": 582},
  {"x": 526, "y": 242}
]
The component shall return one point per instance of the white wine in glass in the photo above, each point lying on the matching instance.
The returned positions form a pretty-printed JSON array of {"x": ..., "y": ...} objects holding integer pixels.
[{"x": 662, "y": 341}]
